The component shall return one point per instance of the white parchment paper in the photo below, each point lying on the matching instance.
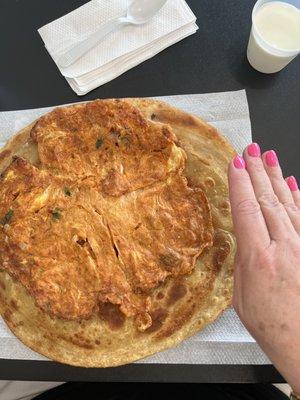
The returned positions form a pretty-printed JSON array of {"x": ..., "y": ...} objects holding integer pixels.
[{"x": 224, "y": 342}]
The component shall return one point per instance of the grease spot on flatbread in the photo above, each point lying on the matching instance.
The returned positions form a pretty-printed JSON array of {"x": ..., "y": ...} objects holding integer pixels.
[
  {"x": 112, "y": 315},
  {"x": 4, "y": 154},
  {"x": 223, "y": 248},
  {"x": 158, "y": 317},
  {"x": 177, "y": 292},
  {"x": 14, "y": 304}
]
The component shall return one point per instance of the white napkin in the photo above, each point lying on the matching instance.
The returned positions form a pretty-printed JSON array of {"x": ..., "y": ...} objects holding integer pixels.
[{"x": 120, "y": 50}]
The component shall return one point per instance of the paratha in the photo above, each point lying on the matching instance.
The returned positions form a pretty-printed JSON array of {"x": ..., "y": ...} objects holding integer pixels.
[{"x": 116, "y": 234}]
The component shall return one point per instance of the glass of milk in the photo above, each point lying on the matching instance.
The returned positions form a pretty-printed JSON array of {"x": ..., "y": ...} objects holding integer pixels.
[{"x": 275, "y": 35}]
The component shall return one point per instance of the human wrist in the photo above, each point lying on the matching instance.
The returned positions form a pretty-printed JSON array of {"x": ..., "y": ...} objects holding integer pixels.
[
  {"x": 294, "y": 395},
  {"x": 295, "y": 385}
]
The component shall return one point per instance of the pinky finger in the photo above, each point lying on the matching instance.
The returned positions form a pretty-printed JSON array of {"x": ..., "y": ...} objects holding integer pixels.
[{"x": 292, "y": 183}]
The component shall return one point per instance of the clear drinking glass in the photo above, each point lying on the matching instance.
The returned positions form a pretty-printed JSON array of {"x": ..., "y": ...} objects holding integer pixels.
[{"x": 264, "y": 56}]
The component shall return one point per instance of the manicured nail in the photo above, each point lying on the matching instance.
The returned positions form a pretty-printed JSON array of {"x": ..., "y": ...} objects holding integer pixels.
[
  {"x": 292, "y": 183},
  {"x": 271, "y": 158},
  {"x": 253, "y": 150},
  {"x": 239, "y": 162}
]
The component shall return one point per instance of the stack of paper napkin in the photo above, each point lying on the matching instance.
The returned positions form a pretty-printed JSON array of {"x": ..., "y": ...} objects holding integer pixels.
[{"x": 119, "y": 51}]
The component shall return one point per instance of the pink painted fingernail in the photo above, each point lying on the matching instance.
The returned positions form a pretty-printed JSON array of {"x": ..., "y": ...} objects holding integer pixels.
[
  {"x": 254, "y": 150},
  {"x": 292, "y": 183},
  {"x": 271, "y": 158},
  {"x": 239, "y": 162}
]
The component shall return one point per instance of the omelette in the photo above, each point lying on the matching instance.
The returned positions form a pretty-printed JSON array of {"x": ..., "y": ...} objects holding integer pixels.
[{"x": 115, "y": 231}]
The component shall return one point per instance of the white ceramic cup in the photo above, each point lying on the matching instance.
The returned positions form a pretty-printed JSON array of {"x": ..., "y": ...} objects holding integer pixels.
[{"x": 263, "y": 56}]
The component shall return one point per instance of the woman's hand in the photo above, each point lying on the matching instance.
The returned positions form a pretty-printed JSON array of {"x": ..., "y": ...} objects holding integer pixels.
[{"x": 266, "y": 217}]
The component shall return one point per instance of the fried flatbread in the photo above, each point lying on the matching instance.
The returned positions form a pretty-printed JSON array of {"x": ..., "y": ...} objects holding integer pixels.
[{"x": 116, "y": 236}]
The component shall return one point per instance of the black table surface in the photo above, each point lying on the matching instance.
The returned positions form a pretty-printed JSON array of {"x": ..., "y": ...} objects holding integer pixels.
[{"x": 212, "y": 60}]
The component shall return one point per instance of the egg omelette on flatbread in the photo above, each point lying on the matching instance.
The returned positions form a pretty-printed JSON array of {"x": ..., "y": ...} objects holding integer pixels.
[{"x": 115, "y": 231}]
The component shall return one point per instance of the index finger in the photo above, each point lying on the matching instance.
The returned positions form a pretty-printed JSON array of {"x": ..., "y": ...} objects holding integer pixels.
[{"x": 249, "y": 224}]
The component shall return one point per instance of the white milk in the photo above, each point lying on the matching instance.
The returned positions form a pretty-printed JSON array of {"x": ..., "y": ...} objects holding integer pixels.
[{"x": 275, "y": 36}]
